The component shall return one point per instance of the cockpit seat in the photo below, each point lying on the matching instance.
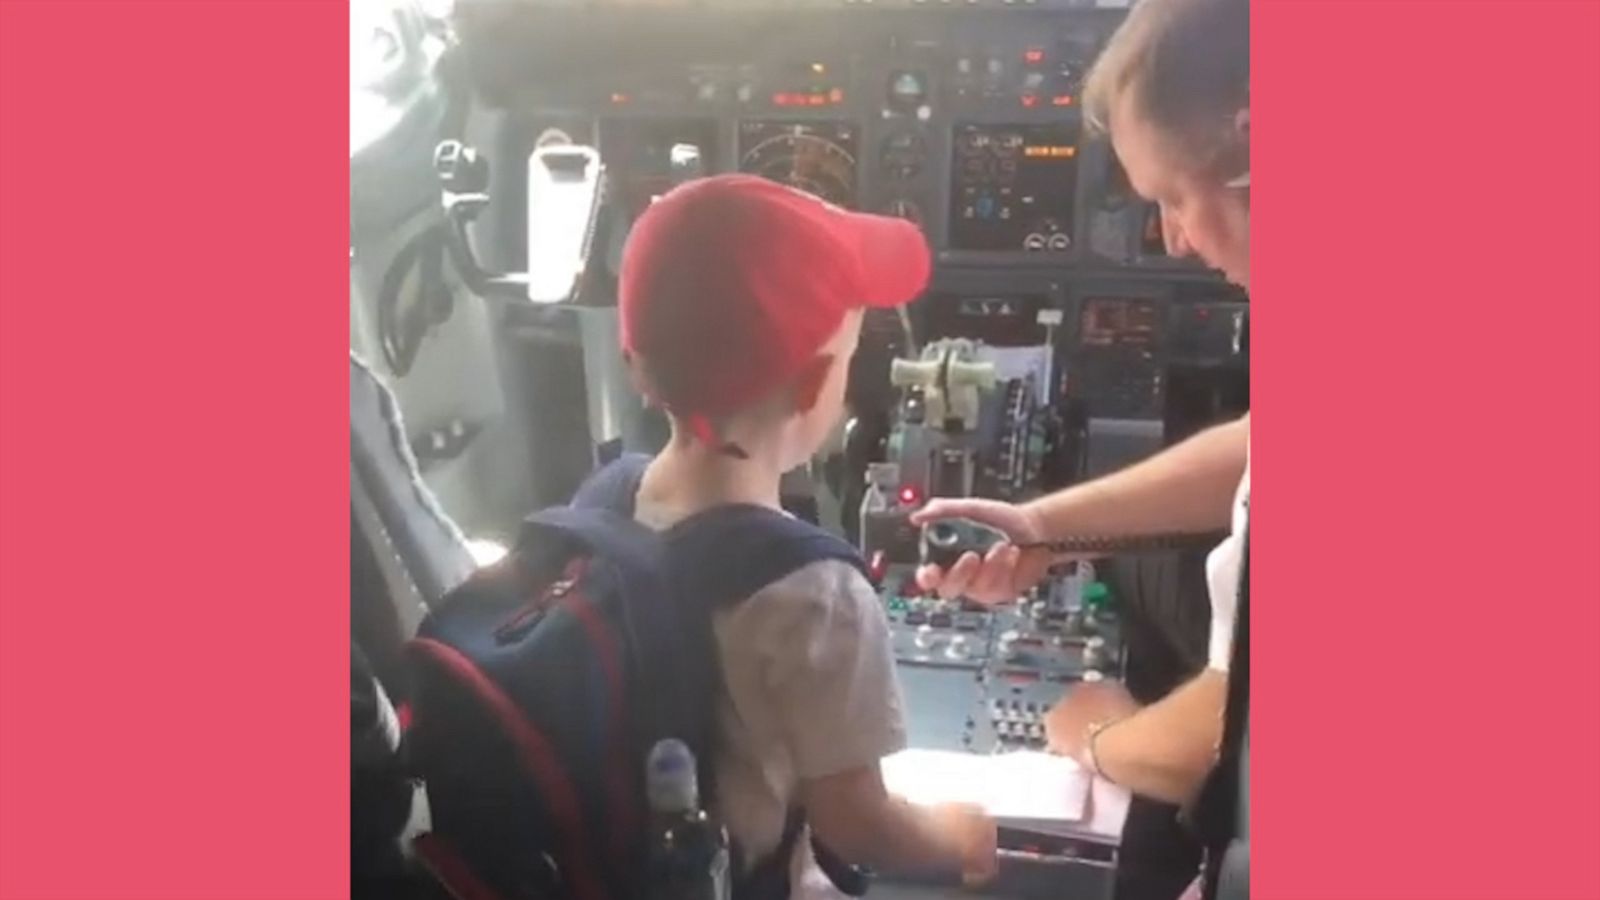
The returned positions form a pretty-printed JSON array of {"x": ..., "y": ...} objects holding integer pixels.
[{"x": 406, "y": 553}]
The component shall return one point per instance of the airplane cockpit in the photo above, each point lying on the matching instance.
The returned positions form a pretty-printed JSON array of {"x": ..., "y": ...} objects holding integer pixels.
[{"x": 501, "y": 151}]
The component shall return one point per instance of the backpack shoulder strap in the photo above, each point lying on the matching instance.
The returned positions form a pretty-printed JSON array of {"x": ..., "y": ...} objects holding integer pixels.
[
  {"x": 562, "y": 531},
  {"x": 614, "y": 485},
  {"x": 724, "y": 555},
  {"x": 720, "y": 558}
]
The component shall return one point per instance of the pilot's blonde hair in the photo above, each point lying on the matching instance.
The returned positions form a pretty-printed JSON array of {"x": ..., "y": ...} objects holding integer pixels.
[{"x": 1185, "y": 64}]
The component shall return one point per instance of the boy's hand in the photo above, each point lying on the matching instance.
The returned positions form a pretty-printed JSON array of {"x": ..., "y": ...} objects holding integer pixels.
[
  {"x": 1006, "y": 571},
  {"x": 977, "y": 836}
]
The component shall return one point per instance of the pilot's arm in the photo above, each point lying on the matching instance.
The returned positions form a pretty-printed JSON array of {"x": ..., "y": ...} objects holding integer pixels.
[
  {"x": 1188, "y": 487},
  {"x": 1184, "y": 488},
  {"x": 1163, "y": 751}
]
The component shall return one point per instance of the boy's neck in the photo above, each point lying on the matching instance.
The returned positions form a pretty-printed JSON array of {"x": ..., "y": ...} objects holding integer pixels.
[{"x": 688, "y": 478}]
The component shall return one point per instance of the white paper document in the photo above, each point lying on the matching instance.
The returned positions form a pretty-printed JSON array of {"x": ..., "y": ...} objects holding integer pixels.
[
  {"x": 1020, "y": 362},
  {"x": 1022, "y": 786}
]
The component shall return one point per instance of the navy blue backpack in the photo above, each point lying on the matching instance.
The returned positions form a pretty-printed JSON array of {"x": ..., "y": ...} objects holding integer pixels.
[{"x": 541, "y": 683}]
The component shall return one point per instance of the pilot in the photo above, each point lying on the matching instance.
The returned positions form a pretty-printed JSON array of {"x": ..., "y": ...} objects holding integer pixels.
[{"x": 1172, "y": 88}]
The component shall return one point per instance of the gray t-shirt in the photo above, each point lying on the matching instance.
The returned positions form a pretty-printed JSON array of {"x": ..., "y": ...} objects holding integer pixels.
[{"x": 809, "y": 691}]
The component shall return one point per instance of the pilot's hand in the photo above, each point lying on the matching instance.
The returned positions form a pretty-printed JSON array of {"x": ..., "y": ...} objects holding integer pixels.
[
  {"x": 1002, "y": 574},
  {"x": 978, "y": 837},
  {"x": 1087, "y": 705}
]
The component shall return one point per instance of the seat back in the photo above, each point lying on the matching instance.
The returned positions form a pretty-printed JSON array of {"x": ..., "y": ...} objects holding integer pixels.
[{"x": 405, "y": 552}]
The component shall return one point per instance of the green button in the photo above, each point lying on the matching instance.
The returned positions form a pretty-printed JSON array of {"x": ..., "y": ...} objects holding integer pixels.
[{"x": 1096, "y": 594}]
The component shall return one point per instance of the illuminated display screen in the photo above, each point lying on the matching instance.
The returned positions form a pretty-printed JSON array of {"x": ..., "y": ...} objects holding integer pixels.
[
  {"x": 647, "y": 156},
  {"x": 816, "y": 157},
  {"x": 806, "y": 84},
  {"x": 1048, "y": 151},
  {"x": 1108, "y": 323},
  {"x": 1015, "y": 188}
]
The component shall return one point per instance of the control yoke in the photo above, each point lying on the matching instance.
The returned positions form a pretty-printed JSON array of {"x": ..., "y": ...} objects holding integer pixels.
[{"x": 566, "y": 187}]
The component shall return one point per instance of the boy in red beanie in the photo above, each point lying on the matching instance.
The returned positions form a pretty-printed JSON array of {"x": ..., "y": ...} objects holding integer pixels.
[{"x": 741, "y": 305}]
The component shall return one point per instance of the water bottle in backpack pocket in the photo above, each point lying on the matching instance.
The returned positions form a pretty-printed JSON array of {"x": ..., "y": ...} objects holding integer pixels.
[{"x": 688, "y": 848}]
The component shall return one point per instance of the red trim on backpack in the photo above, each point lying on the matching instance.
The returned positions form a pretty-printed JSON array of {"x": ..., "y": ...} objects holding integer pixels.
[
  {"x": 536, "y": 756},
  {"x": 550, "y": 595},
  {"x": 450, "y": 870},
  {"x": 624, "y": 817},
  {"x": 402, "y": 714}
]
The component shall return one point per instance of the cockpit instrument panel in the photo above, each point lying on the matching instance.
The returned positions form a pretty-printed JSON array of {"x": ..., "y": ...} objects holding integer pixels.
[{"x": 962, "y": 116}]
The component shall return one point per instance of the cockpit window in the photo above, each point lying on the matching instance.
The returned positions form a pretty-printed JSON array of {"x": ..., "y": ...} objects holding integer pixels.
[{"x": 392, "y": 47}]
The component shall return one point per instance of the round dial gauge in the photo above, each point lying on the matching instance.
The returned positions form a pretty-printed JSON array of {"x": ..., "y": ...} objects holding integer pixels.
[{"x": 805, "y": 159}]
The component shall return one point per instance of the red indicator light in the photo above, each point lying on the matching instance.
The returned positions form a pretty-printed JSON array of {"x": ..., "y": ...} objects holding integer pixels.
[
  {"x": 1033, "y": 56},
  {"x": 1030, "y": 101},
  {"x": 1061, "y": 100},
  {"x": 908, "y": 495}
]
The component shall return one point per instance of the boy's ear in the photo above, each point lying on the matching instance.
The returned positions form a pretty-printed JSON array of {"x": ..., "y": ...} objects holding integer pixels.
[{"x": 808, "y": 387}]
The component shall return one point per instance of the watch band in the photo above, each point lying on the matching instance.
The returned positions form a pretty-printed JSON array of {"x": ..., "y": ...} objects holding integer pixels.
[{"x": 1089, "y": 752}]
